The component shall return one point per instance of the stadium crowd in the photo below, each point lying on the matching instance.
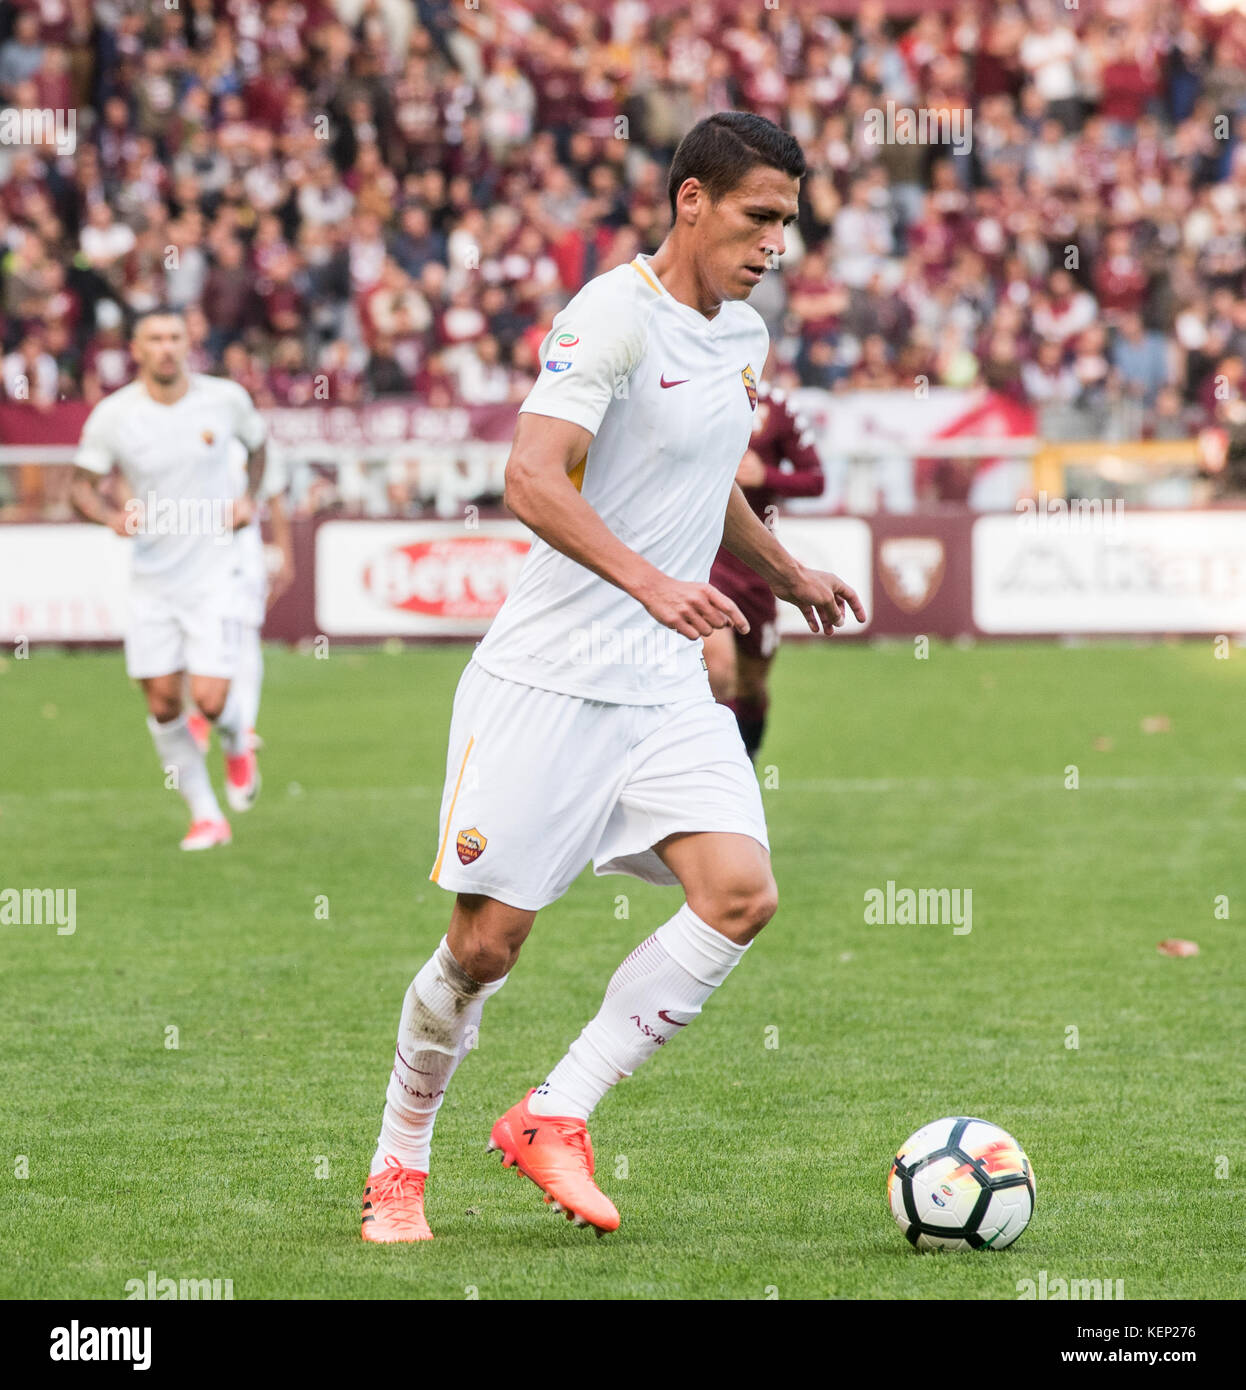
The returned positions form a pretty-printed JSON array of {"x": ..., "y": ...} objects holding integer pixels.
[{"x": 352, "y": 199}]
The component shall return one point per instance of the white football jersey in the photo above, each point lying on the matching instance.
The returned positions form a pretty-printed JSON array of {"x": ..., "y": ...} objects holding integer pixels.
[
  {"x": 176, "y": 459},
  {"x": 669, "y": 396}
]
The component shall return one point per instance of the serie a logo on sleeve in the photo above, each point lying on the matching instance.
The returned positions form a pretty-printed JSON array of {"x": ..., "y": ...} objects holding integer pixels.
[{"x": 563, "y": 344}]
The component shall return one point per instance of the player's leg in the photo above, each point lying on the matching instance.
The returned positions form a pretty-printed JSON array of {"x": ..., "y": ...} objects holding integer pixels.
[
  {"x": 719, "y": 650},
  {"x": 752, "y": 696},
  {"x": 237, "y": 722},
  {"x": 209, "y": 694},
  {"x": 522, "y": 807},
  {"x": 200, "y": 728},
  {"x": 183, "y": 761},
  {"x": 690, "y": 813},
  {"x": 155, "y": 656},
  {"x": 213, "y": 654},
  {"x": 661, "y": 987},
  {"x": 654, "y": 994},
  {"x": 440, "y": 1020}
]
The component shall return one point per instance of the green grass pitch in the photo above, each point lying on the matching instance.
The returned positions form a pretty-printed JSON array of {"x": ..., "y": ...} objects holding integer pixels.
[{"x": 748, "y": 1160}]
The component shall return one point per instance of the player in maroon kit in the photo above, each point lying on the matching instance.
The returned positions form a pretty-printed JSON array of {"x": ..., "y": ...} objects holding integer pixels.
[{"x": 781, "y": 462}]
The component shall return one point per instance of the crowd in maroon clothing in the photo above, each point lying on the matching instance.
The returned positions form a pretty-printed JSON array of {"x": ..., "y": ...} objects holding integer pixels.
[{"x": 358, "y": 198}]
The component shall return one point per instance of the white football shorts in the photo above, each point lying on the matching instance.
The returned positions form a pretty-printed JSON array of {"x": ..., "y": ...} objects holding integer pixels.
[
  {"x": 539, "y": 783},
  {"x": 170, "y": 628}
]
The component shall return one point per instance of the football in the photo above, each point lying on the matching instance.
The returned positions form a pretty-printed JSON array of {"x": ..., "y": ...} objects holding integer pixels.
[{"x": 961, "y": 1184}]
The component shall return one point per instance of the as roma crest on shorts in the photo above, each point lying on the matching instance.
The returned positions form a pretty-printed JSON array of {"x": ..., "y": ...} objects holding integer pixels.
[
  {"x": 470, "y": 845},
  {"x": 208, "y": 437},
  {"x": 750, "y": 385}
]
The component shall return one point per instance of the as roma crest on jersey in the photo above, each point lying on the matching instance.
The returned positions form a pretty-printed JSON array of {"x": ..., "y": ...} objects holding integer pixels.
[
  {"x": 470, "y": 845},
  {"x": 208, "y": 437},
  {"x": 750, "y": 385}
]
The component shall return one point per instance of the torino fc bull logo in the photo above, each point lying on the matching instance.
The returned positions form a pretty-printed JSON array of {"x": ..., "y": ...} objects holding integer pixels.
[
  {"x": 750, "y": 385},
  {"x": 470, "y": 845}
]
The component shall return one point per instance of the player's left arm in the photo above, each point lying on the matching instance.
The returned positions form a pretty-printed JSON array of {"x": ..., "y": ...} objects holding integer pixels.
[
  {"x": 245, "y": 506},
  {"x": 283, "y": 539},
  {"x": 249, "y": 426},
  {"x": 820, "y": 596}
]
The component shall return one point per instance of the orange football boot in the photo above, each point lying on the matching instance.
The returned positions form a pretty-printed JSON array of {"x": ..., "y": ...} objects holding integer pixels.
[
  {"x": 393, "y": 1204},
  {"x": 242, "y": 780},
  {"x": 557, "y": 1154},
  {"x": 207, "y": 834}
]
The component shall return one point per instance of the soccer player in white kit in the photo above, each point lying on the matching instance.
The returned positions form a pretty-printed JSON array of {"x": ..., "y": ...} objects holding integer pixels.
[
  {"x": 169, "y": 431},
  {"x": 584, "y": 726},
  {"x": 255, "y": 592}
]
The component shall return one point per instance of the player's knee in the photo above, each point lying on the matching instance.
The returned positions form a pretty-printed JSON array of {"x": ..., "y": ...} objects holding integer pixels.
[
  {"x": 762, "y": 905},
  {"x": 740, "y": 909},
  {"x": 211, "y": 705},
  {"x": 484, "y": 941},
  {"x": 164, "y": 706}
]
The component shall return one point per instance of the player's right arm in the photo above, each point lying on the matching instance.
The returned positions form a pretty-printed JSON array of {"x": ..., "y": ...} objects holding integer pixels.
[
  {"x": 542, "y": 495},
  {"x": 93, "y": 463}
]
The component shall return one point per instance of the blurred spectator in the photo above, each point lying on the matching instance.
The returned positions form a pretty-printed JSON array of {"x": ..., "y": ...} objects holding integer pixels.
[
  {"x": 30, "y": 372},
  {"x": 1141, "y": 358},
  {"x": 356, "y": 197}
]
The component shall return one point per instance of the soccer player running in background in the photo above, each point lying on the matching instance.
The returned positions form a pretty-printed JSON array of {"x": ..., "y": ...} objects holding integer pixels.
[
  {"x": 781, "y": 462},
  {"x": 169, "y": 432},
  {"x": 255, "y": 594},
  {"x": 584, "y": 726}
]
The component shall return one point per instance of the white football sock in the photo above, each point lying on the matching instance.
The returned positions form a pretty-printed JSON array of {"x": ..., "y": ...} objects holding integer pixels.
[
  {"x": 179, "y": 754},
  {"x": 653, "y": 995},
  {"x": 440, "y": 1020},
  {"x": 230, "y": 726},
  {"x": 248, "y": 678}
]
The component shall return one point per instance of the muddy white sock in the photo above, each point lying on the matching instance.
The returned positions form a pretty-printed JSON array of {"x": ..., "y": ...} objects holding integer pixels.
[
  {"x": 652, "y": 997},
  {"x": 440, "y": 1020}
]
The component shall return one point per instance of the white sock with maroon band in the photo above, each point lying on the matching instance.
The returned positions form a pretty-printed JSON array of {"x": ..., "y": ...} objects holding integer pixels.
[
  {"x": 656, "y": 992},
  {"x": 180, "y": 755},
  {"x": 440, "y": 1018}
]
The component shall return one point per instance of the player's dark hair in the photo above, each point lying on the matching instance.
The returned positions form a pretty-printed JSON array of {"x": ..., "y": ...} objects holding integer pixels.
[
  {"x": 161, "y": 311},
  {"x": 720, "y": 150}
]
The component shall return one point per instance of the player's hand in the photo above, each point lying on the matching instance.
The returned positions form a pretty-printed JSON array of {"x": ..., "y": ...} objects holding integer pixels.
[
  {"x": 243, "y": 511},
  {"x": 752, "y": 471},
  {"x": 128, "y": 521},
  {"x": 693, "y": 610},
  {"x": 821, "y": 596}
]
